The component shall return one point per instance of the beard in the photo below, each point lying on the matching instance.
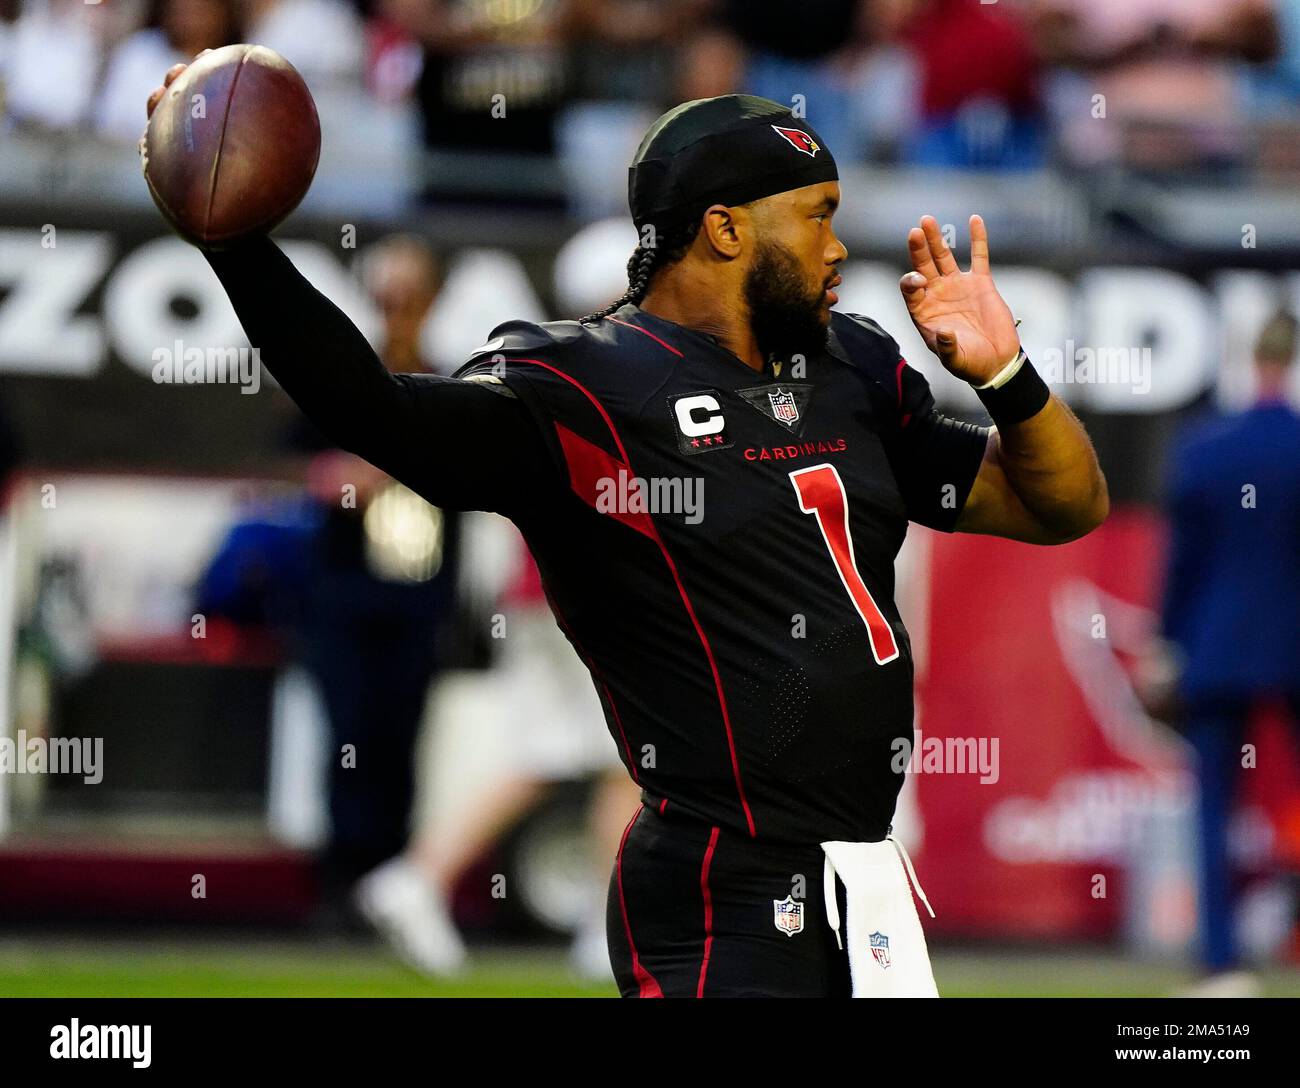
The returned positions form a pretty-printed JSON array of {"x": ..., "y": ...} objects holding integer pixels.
[{"x": 786, "y": 315}]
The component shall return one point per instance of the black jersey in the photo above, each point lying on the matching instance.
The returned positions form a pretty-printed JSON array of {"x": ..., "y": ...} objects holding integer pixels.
[
  {"x": 722, "y": 556},
  {"x": 716, "y": 543}
]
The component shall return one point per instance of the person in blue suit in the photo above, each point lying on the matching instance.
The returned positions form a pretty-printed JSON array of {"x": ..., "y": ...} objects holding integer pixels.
[{"x": 1231, "y": 611}]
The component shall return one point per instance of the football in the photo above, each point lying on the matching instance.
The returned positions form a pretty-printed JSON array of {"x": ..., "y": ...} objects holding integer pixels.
[{"x": 232, "y": 147}]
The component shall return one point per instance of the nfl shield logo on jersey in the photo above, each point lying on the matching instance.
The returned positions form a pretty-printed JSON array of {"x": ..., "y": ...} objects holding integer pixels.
[
  {"x": 788, "y": 915},
  {"x": 786, "y": 404},
  {"x": 785, "y": 409},
  {"x": 880, "y": 948}
]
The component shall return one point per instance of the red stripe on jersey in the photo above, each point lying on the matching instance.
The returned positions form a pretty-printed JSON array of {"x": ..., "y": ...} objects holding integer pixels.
[
  {"x": 708, "y": 911},
  {"x": 681, "y": 589},
  {"x": 645, "y": 980},
  {"x": 902, "y": 363},
  {"x": 647, "y": 332},
  {"x": 592, "y": 470}
]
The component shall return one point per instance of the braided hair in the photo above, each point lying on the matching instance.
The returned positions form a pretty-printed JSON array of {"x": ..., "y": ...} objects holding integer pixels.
[{"x": 646, "y": 260}]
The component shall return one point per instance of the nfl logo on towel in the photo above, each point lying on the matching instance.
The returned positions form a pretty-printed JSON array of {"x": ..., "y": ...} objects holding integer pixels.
[
  {"x": 788, "y": 915},
  {"x": 880, "y": 948}
]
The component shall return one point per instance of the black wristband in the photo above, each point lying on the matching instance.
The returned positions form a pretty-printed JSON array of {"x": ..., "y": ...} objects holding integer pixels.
[{"x": 1019, "y": 399}]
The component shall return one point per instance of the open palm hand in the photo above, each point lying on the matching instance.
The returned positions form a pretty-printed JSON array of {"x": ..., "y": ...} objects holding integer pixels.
[{"x": 960, "y": 315}]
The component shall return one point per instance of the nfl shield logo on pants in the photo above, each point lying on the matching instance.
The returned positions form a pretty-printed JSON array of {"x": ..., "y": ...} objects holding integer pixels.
[
  {"x": 880, "y": 948},
  {"x": 788, "y": 915}
]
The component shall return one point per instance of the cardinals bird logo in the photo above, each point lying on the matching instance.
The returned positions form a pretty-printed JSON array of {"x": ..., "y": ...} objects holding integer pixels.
[{"x": 799, "y": 140}]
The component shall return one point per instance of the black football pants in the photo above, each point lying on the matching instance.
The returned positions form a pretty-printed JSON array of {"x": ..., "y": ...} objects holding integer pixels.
[{"x": 700, "y": 911}]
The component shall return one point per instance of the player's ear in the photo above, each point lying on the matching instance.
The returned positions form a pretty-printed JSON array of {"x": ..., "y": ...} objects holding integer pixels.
[{"x": 722, "y": 231}]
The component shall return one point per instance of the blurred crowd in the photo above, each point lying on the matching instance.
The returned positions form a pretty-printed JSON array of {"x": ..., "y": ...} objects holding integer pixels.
[{"x": 1156, "y": 84}]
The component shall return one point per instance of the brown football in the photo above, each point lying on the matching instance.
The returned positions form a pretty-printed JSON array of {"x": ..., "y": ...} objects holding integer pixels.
[{"x": 232, "y": 147}]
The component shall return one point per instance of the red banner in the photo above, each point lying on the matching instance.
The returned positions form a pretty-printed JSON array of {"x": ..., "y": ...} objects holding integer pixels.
[{"x": 1029, "y": 649}]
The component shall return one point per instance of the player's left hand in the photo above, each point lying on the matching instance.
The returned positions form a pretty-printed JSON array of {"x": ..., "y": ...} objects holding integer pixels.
[{"x": 960, "y": 315}]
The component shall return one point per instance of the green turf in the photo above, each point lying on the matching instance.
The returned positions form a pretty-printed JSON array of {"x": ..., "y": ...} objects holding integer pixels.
[
  {"x": 267, "y": 969},
  {"x": 224, "y": 967}
]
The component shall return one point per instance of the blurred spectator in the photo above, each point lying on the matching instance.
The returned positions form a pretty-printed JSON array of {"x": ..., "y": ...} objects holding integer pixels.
[
  {"x": 1167, "y": 70},
  {"x": 356, "y": 578},
  {"x": 624, "y": 50},
  {"x": 378, "y": 607},
  {"x": 176, "y": 30},
  {"x": 402, "y": 277},
  {"x": 323, "y": 39},
  {"x": 1272, "y": 93},
  {"x": 1232, "y": 608},
  {"x": 711, "y": 63},
  {"x": 977, "y": 75},
  {"x": 621, "y": 57},
  {"x": 805, "y": 59},
  {"x": 1280, "y": 73},
  {"x": 392, "y": 59},
  {"x": 493, "y": 79},
  {"x": 935, "y": 82},
  {"x": 52, "y": 59}
]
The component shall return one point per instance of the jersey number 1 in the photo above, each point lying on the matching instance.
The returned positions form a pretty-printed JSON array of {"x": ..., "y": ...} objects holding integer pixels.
[{"x": 821, "y": 492}]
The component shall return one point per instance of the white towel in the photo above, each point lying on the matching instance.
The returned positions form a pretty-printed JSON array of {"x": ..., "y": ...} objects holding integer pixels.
[{"x": 887, "y": 953}]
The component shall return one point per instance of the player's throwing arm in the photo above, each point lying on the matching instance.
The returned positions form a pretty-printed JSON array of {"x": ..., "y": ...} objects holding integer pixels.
[{"x": 230, "y": 149}]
